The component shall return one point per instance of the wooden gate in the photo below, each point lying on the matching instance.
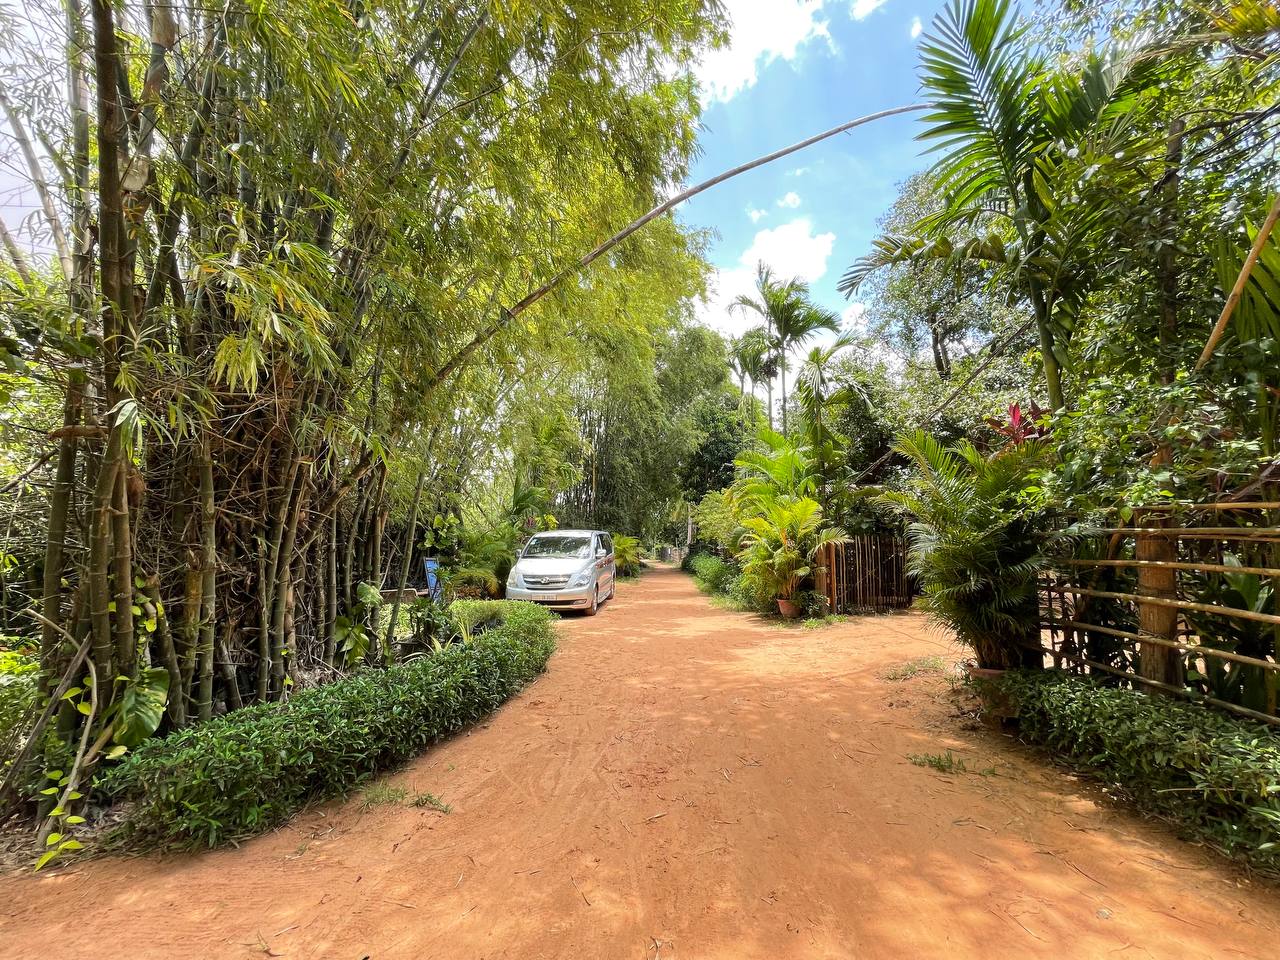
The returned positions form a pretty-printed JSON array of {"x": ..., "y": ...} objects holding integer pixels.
[{"x": 869, "y": 573}]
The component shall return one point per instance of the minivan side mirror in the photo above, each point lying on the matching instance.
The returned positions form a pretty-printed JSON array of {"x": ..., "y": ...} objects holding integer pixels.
[{"x": 601, "y": 553}]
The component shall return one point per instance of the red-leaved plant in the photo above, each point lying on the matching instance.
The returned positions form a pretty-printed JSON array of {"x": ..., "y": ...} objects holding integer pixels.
[{"x": 1021, "y": 426}]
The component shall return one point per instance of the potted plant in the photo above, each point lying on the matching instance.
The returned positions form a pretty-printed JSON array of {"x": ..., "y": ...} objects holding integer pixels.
[
  {"x": 976, "y": 550},
  {"x": 779, "y": 546}
]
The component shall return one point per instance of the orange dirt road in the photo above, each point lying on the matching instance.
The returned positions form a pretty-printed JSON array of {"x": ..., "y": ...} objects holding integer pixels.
[{"x": 690, "y": 784}]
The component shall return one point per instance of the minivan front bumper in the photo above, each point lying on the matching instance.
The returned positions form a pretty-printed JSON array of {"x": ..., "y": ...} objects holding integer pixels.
[{"x": 562, "y": 598}]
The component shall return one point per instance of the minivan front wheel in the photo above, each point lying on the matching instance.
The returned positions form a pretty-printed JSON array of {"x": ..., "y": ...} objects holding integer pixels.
[{"x": 595, "y": 603}]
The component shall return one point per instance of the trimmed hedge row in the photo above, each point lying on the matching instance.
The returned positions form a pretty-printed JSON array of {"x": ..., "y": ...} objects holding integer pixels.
[
  {"x": 1218, "y": 776},
  {"x": 252, "y": 769}
]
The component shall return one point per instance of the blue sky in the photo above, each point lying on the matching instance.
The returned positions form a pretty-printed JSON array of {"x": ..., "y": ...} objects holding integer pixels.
[{"x": 795, "y": 68}]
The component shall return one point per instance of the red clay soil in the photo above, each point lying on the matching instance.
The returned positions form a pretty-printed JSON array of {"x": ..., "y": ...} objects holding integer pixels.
[{"x": 687, "y": 782}]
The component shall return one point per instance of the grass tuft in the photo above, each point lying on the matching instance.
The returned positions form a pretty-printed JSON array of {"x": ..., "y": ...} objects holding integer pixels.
[
  {"x": 381, "y": 795},
  {"x": 427, "y": 799},
  {"x": 914, "y": 668}
]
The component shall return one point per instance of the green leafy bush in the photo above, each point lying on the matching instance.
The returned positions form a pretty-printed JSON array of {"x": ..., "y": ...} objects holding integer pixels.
[
  {"x": 19, "y": 686},
  {"x": 975, "y": 543},
  {"x": 626, "y": 554},
  {"x": 252, "y": 769},
  {"x": 713, "y": 573},
  {"x": 475, "y": 616},
  {"x": 471, "y": 582},
  {"x": 1217, "y": 775},
  {"x": 781, "y": 542}
]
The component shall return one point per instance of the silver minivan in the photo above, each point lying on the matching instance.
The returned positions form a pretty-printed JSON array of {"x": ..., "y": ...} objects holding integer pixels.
[{"x": 565, "y": 569}]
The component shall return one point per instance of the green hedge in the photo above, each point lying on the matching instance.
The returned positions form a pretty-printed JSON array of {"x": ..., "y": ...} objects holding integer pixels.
[
  {"x": 1218, "y": 776},
  {"x": 713, "y": 573},
  {"x": 252, "y": 769}
]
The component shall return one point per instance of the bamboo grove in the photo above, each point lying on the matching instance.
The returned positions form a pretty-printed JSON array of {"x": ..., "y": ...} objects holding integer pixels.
[{"x": 283, "y": 240}]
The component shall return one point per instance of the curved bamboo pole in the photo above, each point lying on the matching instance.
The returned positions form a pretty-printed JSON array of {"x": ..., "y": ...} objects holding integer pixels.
[
  {"x": 1237, "y": 290},
  {"x": 507, "y": 314}
]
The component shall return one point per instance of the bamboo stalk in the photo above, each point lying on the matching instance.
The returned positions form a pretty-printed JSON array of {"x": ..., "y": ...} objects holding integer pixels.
[
  {"x": 331, "y": 595},
  {"x": 1179, "y": 604},
  {"x": 1197, "y": 648},
  {"x": 177, "y": 701},
  {"x": 122, "y": 570},
  {"x": 406, "y": 560},
  {"x": 1237, "y": 290},
  {"x": 1175, "y": 565},
  {"x": 209, "y": 578}
]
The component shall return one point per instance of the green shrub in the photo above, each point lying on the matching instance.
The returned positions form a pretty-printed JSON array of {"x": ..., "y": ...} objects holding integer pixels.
[
  {"x": 975, "y": 545},
  {"x": 474, "y": 616},
  {"x": 750, "y": 594},
  {"x": 713, "y": 573},
  {"x": 468, "y": 582},
  {"x": 252, "y": 769},
  {"x": 626, "y": 554},
  {"x": 19, "y": 687},
  {"x": 1218, "y": 776}
]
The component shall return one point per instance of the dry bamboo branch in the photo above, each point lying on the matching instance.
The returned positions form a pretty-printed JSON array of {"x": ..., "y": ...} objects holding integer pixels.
[
  {"x": 506, "y": 315},
  {"x": 1237, "y": 290},
  {"x": 1176, "y": 604}
]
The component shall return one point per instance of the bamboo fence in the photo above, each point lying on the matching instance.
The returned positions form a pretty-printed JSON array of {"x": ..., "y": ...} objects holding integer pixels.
[
  {"x": 1165, "y": 637},
  {"x": 867, "y": 573}
]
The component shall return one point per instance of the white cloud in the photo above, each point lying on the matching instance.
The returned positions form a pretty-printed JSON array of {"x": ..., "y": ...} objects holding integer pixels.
[
  {"x": 756, "y": 214},
  {"x": 864, "y": 8},
  {"x": 761, "y": 33},
  {"x": 798, "y": 172},
  {"x": 917, "y": 27},
  {"x": 791, "y": 200},
  {"x": 791, "y": 250},
  {"x": 853, "y": 318}
]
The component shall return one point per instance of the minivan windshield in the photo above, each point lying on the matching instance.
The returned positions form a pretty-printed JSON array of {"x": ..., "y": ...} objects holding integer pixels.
[{"x": 564, "y": 547}]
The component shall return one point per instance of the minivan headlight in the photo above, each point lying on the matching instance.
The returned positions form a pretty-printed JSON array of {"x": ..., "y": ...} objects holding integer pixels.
[
  {"x": 582, "y": 579},
  {"x": 513, "y": 578}
]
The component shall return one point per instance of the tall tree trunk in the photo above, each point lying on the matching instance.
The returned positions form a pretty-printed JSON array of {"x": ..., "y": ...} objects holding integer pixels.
[
  {"x": 331, "y": 594},
  {"x": 406, "y": 560},
  {"x": 782, "y": 375},
  {"x": 209, "y": 579},
  {"x": 122, "y": 570}
]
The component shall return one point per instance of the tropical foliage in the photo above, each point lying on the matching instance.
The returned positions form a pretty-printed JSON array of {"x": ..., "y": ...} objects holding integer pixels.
[
  {"x": 296, "y": 314},
  {"x": 976, "y": 546}
]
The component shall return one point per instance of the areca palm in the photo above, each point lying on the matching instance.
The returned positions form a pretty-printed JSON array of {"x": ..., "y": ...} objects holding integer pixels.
[
  {"x": 975, "y": 551},
  {"x": 749, "y": 356},
  {"x": 777, "y": 467},
  {"x": 791, "y": 320},
  {"x": 1013, "y": 134},
  {"x": 817, "y": 389},
  {"x": 780, "y": 544}
]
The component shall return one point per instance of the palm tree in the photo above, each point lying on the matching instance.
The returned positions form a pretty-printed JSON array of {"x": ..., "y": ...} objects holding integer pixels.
[
  {"x": 778, "y": 466},
  {"x": 751, "y": 356},
  {"x": 791, "y": 319},
  {"x": 816, "y": 387},
  {"x": 976, "y": 550},
  {"x": 1013, "y": 131}
]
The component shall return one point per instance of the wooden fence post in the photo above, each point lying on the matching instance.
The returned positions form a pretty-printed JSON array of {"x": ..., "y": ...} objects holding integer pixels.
[{"x": 1156, "y": 662}]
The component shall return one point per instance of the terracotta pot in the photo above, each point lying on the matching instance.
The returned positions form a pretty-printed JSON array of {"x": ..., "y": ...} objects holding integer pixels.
[
  {"x": 788, "y": 609},
  {"x": 997, "y": 704}
]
